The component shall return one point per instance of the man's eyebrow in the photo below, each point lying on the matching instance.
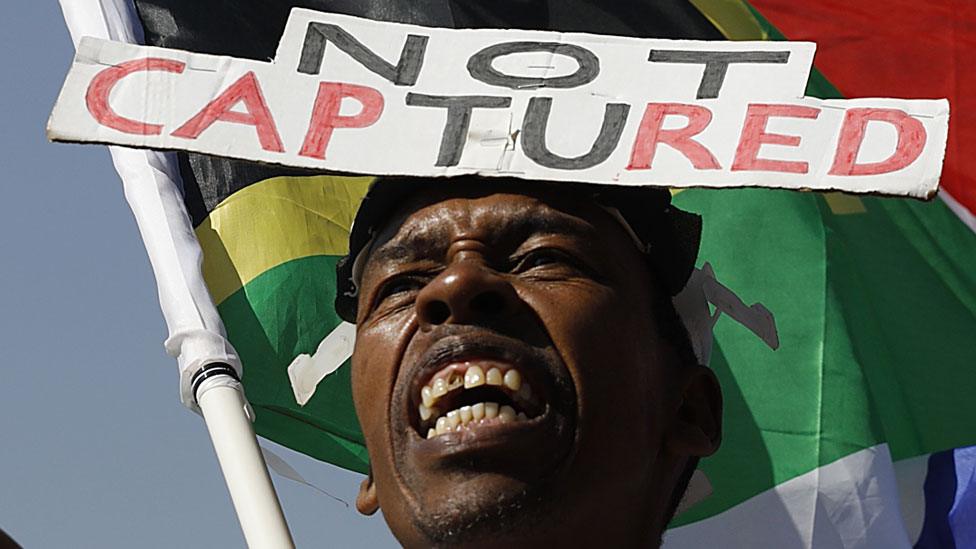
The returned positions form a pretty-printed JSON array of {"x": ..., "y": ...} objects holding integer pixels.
[
  {"x": 430, "y": 242},
  {"x": 549, "y": 221},
  {"x": 408, "y": 248}
]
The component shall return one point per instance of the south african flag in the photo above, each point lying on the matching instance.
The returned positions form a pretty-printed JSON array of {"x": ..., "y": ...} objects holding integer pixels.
[{"x": 852, "y": 434}]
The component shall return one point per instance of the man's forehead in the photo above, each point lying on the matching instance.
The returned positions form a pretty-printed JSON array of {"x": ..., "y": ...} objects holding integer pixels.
[{"x": 435, "y": 217}]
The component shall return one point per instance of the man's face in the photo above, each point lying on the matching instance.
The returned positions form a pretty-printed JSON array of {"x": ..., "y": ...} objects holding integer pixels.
[{"x": 509, "y": 376}]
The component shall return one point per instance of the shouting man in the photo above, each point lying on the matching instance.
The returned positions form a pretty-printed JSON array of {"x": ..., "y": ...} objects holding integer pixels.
[{"x": 521, "y": 375}]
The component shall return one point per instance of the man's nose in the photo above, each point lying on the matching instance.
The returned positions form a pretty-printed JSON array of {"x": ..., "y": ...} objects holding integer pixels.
[{"x": 466, "y": 292}]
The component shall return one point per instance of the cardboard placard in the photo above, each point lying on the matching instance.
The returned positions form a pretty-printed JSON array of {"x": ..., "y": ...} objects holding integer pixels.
[{"x": 354, "y": 95}]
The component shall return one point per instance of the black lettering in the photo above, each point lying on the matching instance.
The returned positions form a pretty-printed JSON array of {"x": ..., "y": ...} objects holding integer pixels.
[
  {"x": 459, "y": 110},
  {"x": 480, "y": 66},
  {"x": 534, "y": 136},
  {"x": 404, "y": 73},
  {"x": 716, "y": 64}
]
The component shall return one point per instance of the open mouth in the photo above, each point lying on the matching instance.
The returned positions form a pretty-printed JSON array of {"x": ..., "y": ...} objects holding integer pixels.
[
  {"x": 470, "y": 394},
  {"x": 476, "y": 402}
]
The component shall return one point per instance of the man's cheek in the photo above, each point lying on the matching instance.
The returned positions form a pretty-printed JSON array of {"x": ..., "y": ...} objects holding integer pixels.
[
  {"x": 362, "y": 397},
  {"x": 371, "y": 383},
  {"x": 375, "y": 376},
  {"x": 604, "y": 344},
  {"x": 574, "y": 304},
  {"x": 582, "y": 311}
]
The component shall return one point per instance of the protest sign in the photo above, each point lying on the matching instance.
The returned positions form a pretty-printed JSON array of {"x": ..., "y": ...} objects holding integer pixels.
[{"x": 353, "y": 95}]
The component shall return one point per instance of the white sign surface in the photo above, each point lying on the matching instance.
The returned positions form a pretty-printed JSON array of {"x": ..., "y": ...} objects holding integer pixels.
[{"x": 354, "y": 95}]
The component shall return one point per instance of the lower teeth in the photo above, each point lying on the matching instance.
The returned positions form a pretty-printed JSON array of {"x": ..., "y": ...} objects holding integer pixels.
[{"x": 476, "y": 414}]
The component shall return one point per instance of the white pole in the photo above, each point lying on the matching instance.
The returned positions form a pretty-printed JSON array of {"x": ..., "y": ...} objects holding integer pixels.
[{"x": 225, "y": 410}]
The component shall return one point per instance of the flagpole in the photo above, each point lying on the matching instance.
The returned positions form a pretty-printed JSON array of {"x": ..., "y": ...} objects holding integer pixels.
[
  {"x": 227, "y": 415},
  {"x": 210, "y": 369}
]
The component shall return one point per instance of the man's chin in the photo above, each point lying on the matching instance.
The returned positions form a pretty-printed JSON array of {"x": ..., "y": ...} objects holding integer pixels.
[
  {"x": 478, "y": 507},
  {"x": 495, "y": 482}
]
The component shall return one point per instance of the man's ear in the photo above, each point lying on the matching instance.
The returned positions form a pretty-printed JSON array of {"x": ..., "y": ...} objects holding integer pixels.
[
  {"x": 697, "y": 427},
  {"x": 366, "y": 501}
]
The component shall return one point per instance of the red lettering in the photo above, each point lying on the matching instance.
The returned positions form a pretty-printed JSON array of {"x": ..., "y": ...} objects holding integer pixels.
[
  {"x": 650, "y": 134},
  {"x": 246, "y": 90},
  {"x": 911, "y": 141},
  {"x": 100, "y": 88},
  {"x": 326, "y": 117},
  {"x": 754, "y": 136}
]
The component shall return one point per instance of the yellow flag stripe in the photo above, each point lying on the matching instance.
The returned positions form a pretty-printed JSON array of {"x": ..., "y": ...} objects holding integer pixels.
[
  {"x": 275, "y": 221},
  {"x": 732, "y": 18}
]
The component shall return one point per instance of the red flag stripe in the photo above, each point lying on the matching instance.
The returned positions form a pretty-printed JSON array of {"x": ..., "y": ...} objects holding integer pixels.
[{"x": 898, "y": 48}]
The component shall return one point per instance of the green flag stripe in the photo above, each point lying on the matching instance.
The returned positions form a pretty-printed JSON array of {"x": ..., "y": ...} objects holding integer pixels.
[
  {"x": 771, "y": 397},
  {"x": 284, "y": 312},
  {"x": 876, "y": 337},
  {"x": 904, "y": 274}
]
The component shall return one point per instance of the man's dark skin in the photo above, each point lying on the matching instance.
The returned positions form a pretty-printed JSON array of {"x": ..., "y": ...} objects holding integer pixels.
[{"x": 547, "y": 282}]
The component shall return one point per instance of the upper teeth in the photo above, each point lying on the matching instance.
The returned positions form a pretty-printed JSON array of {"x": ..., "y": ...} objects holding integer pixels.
[
  {"x": 470, "y": 377},
  {"x": 473, "y": 376}
]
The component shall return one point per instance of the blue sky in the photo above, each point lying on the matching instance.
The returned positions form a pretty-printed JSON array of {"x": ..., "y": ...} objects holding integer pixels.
[{"x": 96, "y": 449}]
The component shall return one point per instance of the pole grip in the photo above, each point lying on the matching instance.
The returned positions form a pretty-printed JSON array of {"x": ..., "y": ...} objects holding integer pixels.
[{"x": 221, "y": 399}]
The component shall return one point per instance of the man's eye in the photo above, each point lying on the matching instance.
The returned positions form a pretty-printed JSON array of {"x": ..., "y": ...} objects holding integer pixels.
[
  {"x": 542, "y": 258},
  {"x": 397, "y": 286}
]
